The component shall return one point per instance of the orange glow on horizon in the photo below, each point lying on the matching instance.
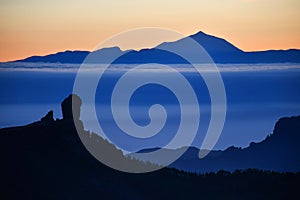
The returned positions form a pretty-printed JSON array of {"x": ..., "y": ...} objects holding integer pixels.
[{"x": 42, "y": 27}]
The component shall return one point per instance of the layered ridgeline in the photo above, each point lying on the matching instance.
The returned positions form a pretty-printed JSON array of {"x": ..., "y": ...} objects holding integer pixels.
[
  {"x": 47, "y": 160},
  {"x": 279, "y": 151},
  {"x": 220, "y": 50}
]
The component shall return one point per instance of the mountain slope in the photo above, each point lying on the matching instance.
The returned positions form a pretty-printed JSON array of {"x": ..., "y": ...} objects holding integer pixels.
[
  {"x": 279, "y": 152},
  {"x": 46, "y": 160},
  {"x": 60, "y": 57},
  {"x": 220, "y": 50}
]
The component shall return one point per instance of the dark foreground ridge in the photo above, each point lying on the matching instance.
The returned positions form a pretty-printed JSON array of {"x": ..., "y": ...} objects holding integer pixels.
[{"x": 46, "y": 160}]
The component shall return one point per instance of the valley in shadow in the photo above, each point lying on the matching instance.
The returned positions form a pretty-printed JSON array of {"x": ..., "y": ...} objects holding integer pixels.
[{"x": 47, "y": 160}]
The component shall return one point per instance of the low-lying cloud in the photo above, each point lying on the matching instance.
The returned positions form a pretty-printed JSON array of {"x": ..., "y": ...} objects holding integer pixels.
[{"x": 73, "y": 68}]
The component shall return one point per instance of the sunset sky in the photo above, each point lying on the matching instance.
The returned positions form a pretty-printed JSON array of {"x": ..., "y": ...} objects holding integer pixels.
[{"x": 39, "y": 27}]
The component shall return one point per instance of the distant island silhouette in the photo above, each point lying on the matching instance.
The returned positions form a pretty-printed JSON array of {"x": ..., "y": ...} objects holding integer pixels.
[
  {"x": 47, "y": 160},
  {"x": 219, "y": 49}
]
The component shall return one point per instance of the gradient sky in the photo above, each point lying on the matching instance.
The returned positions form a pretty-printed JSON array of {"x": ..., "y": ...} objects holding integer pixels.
[{"x": 39, "y": 27}]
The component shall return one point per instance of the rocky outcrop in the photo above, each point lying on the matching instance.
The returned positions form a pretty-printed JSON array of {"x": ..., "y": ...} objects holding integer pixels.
[
  {"x": 49, "y": 161},
  {"x": 48, "y": 118},
  {"x": 71, "y": 107}
]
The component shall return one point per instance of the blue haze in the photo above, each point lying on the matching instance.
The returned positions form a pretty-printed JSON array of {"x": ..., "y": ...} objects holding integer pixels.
[{"x": 256, "y": 100}]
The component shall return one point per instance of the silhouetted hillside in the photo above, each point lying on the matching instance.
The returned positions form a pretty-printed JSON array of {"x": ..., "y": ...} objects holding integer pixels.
[
  {"x": 278, "y": 152},
  {"x": 60, "y": 57},
  {"x": 219, "y": 49},
  {"x": 46, "y": 160}
]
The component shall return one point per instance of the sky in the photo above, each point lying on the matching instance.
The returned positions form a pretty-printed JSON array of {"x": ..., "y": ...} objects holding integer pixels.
[{"x": 40, "y": 27}]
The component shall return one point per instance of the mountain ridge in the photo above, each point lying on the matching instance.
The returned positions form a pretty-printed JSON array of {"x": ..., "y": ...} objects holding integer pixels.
[
  {"x": 277, "y": 152},
  {"x": 47, "y": 160},
  {"x": 220, "y": 50}
]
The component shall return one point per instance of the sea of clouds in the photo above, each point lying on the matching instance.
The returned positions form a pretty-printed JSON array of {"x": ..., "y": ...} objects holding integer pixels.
[{"x": 73, "y": 68}]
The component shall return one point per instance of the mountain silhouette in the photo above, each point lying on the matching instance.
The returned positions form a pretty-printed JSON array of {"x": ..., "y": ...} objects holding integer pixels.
[
  {"x": 47, "y": 160},
  {"x": 277, "y": 152},
  {"x": 220, "y": 50},
  {"x": 73, "y": 57}
]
